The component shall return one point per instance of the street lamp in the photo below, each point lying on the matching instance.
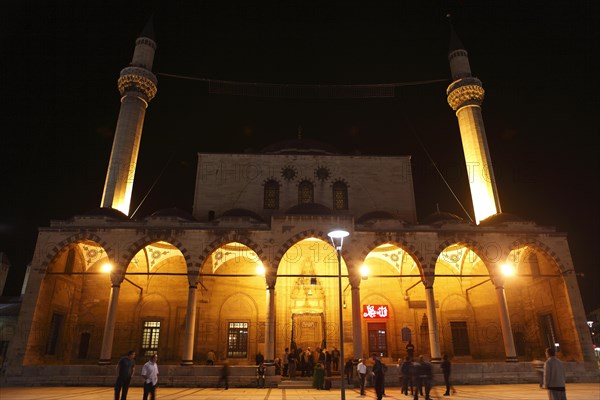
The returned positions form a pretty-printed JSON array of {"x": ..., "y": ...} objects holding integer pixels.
[{"x": 337, "y": 240}]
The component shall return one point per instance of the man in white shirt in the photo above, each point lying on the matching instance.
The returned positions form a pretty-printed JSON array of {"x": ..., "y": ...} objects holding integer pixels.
[
  {"x": 362, "y": 374},
  {"x": 150, "y": 375}
]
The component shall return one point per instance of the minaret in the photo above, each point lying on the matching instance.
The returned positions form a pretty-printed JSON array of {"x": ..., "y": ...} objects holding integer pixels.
[
  {"x": 465, "y": 95},
  {"x": 137, "y": 85}
]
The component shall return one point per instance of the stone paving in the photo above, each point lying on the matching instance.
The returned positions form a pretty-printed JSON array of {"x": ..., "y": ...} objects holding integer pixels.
[{"x": 575, "y": 391}]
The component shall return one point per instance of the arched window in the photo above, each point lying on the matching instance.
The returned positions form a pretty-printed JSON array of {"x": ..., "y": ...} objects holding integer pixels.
[
  {"x": 271, "y": 200},
  {"x": 306, "y": 193},
  {"x": 340, "y": 196},
  {"x": 406, "y": 334}
]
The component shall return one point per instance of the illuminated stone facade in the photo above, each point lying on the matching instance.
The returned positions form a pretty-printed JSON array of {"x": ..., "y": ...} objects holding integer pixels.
[{"x": 184, "y": 284}]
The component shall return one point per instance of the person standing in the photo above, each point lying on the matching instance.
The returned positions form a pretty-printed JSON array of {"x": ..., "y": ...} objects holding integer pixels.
[
  {"x": 286, "y": 361},
  {"x": 224, "y": 376},
  {"x": 348, "y": 370},
  {"x": 319, "y": 377},
  {"x": 554, "y": 376},
  {"x": 378, "y": 376},
  {"x": 259, "y": 358},
  {"x": 361, "y": 368},
  {"x": 426, "y": 376},
  {"x": 335, "y": 358},
  {"x": 417, "y": 381},
  {"x": 327, "y": 362},
  {"x": 125, "y": 369},
  {"x": 410, "y": 349},
  {"x": 292, "y": 364},
  {"x": 150, "y": 375},
  {"x": 446, "y": 369},
  {"x": 260, "y": 375},
  {"x": 406, "y": 378},
  {"x": 210, "y": 357}
]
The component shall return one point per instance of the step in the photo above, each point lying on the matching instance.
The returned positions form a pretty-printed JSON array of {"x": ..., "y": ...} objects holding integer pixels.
[{"x": 295, "y": 384}]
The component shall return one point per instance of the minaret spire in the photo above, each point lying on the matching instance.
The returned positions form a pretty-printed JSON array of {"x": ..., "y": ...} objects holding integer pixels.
[
  {"x": 465, "y": 96},
  {"x": 137, "y": 85}
]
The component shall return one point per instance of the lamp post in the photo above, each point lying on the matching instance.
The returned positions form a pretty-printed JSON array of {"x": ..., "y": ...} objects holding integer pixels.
[{"x": 337, "y": 240}]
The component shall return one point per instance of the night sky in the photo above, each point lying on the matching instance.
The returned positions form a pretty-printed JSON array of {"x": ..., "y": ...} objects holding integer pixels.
[{"x": 59, "y": 64}]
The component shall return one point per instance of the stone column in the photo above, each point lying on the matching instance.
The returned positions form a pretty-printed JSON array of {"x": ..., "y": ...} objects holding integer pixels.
[
  {"x": 187, "y": 357},
  {"x": 507, "y": 335},
  {"x": 356, "y": 325},
  {"x": 270, "y": 325},
  {"x": 111, "y": 319},
  {"x": 434, "y": 335}
]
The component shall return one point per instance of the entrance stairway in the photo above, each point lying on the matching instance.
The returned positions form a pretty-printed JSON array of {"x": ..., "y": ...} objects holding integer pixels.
[
  {"x": 306, "y": 382},
  {"x": 296, "y": 383}
]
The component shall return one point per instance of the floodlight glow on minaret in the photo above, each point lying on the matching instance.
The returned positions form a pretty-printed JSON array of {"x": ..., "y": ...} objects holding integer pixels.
[
  {"x": 137, "y": 85},
  {"x": 465, "y": 95}
]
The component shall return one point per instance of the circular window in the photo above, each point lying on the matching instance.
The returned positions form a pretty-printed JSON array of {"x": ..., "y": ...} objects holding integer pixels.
[
  {"x": 322, "y": 173},
  {"x": 288, "y": 173}
]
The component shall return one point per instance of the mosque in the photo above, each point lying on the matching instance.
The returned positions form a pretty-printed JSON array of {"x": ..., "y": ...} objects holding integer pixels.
[{"x": 256, "y": 266}]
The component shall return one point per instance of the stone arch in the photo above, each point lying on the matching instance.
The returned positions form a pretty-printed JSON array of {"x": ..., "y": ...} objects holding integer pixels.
[
  {"x": 312, "y": 233},
  {"x": 63, "y": 245},
  {"x": 239, "y": 305},
  {"x": 229, "y": 238},
  {"x": 243, "y": 297},
  {"x": 397, "y": 241},
  {"x": 472, "y": 245},
  {"x": 156, "y": 297},
  {"x": 540, "y": 246},
  {"x": 466, "y": 307},
  {"x": 380, "y": 296},
  {"x": 152, "y": 237}
]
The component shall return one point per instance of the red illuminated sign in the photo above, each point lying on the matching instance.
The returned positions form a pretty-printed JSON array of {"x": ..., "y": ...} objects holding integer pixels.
[{"x": 375, "y": 311}]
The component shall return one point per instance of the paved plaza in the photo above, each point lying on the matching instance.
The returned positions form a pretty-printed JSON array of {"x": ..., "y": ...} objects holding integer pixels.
[{"x": 575, "y": 391}]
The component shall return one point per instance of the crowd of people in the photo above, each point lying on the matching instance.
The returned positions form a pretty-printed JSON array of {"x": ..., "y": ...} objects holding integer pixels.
[{"x": 416, "y": 374}]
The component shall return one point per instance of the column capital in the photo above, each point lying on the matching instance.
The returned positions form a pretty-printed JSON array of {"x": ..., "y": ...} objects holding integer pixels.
[
  {"x": 428, "y": 280},
  {"x": 498, "y": 281},
  {"x": 116, "y": 278}
]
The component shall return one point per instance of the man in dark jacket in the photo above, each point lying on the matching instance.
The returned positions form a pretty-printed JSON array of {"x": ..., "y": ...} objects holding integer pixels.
[
  {"x": 424, "y": 379},
  {"x": 125, "y": 369},
  {"x": 378, "y": 376}
]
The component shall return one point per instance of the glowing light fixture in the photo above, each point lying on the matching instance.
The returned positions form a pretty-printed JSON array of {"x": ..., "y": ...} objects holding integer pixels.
[
  {"x": 507, "y": 269},
  {"x": 364, "y": 272},
  {"x": 260, "y": 269},
  {"x": 106, "y": 267}
]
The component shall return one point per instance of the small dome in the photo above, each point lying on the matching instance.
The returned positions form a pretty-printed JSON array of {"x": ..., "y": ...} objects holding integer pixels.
[
  {"x": 441, "y": 216},
  {"x": 501, "y": 218},
  {"x": 174, "y": 212},
  {"x": 309, "y": 209},
  {"x": 242, "y": 213},
  {"x": 300, "y": 146},
  {"x": 376, "y": 215},
  {"x": 106, "y": 212}
]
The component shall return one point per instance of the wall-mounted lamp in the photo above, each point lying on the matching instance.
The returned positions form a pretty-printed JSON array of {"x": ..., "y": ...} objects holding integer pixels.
[
  {"x": 260, "y": 269},
  {"x": 364, "y": 272}
]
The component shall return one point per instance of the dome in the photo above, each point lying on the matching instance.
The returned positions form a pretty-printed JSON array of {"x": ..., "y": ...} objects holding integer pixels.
[
  {"x": 105, "y": 212},
  {"x": 309, "y": 209},
  {"x": 300, "y": 146},
  {"x": 173, "y": 212},
  {"x": 242, "y": 213},
  {"x": 441, "y": 217},
  {"x": 501, "y": 218},
  {"x": 376, "y": 215}
]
